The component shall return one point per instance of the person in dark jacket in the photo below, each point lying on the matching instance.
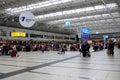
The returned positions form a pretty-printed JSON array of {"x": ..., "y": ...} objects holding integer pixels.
[
  {"x": 111, "y": 48},
  {"x": 5, "y": 50},
  {"x": 88, "y": 47},
  {"x": 84, "y": 50}
]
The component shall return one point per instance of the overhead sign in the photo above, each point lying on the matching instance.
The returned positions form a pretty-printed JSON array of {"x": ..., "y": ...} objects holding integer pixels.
[
  {"x": 27, "y": 19},
  {"x": 86, "y": 36},
  {"x": 86, "y": 30},
  {"x": 18, "y": 34}
]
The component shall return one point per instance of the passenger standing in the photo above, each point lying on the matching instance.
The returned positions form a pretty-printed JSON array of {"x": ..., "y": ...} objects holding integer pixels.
[
  {"x": 42, "y": 48},
  {"x": 5, "y": 50},
  {"x": 63, "y": 49},
  {"x": 14, "y": 52},
  {"x": 111, "y": 46},
  {"x": 87, "y": 47},
  {"x": 84, "y": 51}
]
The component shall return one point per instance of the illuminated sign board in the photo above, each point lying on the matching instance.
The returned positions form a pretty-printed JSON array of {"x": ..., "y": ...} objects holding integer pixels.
[
  {"x": 86, "y": 30},
  {"x": 18, "y": 34}
]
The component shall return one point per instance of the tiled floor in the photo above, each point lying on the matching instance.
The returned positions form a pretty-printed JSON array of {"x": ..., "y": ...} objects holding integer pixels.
[{"x": 52, "y": 66}]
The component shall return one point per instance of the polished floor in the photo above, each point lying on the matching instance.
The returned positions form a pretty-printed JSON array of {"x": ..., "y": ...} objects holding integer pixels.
[{"x": 53, "y": 66}]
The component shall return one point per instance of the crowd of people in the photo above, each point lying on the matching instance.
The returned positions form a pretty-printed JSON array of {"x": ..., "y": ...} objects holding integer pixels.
[
  {"x": 84, "y": 48},
  {"x": 98, "y": 46},
  {"x": 6, "y": 49}
]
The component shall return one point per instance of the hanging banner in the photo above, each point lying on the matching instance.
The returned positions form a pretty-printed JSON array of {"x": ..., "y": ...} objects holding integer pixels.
[
  {"x": 27, "y": 19},
  {"x": 85, "y": 34}
]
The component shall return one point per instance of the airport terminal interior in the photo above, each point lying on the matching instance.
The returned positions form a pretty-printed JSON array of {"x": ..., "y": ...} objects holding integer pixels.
[{"x": 59, "y": 39}]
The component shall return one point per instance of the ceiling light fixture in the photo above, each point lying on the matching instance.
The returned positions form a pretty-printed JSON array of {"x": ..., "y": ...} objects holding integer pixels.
[
  {"x": 36, "y": 5},
  {"x": 81, "y": 18},
  {"x": 112, "y": 5}
]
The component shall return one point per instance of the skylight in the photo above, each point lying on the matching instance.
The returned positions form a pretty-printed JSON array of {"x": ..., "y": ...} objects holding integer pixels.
[
  {"x": 100, "y": 7},
  {"x": 80, "y": 10},
  {"x": 36, "y": 5},
  {"x": 81, "y": 18},
  {"x": 92, "y": 22}
]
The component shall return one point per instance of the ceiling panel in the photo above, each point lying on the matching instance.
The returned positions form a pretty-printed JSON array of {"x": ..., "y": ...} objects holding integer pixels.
[{"x": 52, "y": 14}]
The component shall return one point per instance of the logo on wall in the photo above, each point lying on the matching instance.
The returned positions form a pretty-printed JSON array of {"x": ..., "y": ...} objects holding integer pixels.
[{"x": 27, "y": 19}]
